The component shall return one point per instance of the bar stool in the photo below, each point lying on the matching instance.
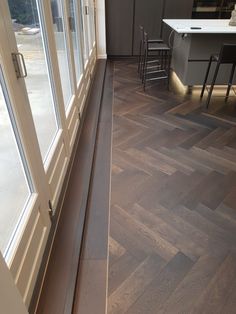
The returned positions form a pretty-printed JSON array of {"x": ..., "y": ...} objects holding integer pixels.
[
  {"x": 152, "y": 43},
  {"x": 163, "y": 54},
  {"x": 227, "y": 55}
]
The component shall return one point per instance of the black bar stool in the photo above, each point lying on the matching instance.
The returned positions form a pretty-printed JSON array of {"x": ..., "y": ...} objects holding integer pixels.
[
  {"x": 227, "y": 55},
  {"x": 162, "y": 69},
  {"x": 152, "y": 43}
]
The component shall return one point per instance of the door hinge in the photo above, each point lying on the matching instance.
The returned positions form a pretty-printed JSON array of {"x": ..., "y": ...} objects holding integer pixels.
[
  {"x": 51, "y": 211},
  {"x": 19, "y": 64}
]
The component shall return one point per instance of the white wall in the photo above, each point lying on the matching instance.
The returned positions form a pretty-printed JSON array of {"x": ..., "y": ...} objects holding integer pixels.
[{"x": 101, "y": 29}]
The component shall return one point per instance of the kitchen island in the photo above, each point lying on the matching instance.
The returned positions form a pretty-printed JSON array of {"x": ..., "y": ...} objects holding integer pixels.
[{"x": 194, "y": 42}]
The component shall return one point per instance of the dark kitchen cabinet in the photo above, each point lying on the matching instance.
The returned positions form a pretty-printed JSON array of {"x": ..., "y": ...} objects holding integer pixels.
[
  {"x": 179, "y": 9},
  {"x": 149, "y": 14},
  {"x": 119, "y": 27},
  {"x": 123, "y": 18}
]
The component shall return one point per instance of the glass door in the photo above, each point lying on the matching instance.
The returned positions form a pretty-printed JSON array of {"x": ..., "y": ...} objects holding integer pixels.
[
  {"x": 28, "y": 31},
  {"x": 24, "y": 214},
  {"x": 24, "y": 220},
  {"x": 43, "y": 89},
  {"x": 33, "y": 156},
  {"x": 29, "y": 37}
]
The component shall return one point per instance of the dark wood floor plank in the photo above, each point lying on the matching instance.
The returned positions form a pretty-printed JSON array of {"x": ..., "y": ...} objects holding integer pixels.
[
  {"x": 120, "y": 270},
  {"x": 214, "y": 296},
  {"x": 131, "y": 179},
  {"x": 162, "y": 286},
  {"x": 145, "y": 161},
  {"x": 179, "y": 187},
  {"x": 227, "y": 212},
  {"x": 190, "y": 231},
  {"x": 131, "y": 289},
  {"x": 230, "y": 303},
  {"x": 128, "y": 240},
  {"x": 149, "y": 240},
  {"x": 202, "y": 189},
  {"x": 191, "y": 288},
  {"x": 228, "y": 227},
  {"x": 216, "y": 233},
  {"x": 159, "y": 227},
  {"x": 171, "y": 161},
  {"x": 115, "y": 249}
]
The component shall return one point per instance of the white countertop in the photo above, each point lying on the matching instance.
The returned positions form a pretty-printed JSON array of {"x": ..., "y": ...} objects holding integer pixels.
[{"x": 216, "y": 26}]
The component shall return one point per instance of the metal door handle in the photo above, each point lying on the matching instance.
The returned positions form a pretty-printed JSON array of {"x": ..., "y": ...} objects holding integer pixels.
[
  {"x": 71, "y": 23},
  {"x": 19, "y": 64},
  {"x": 86, "y": 10}
]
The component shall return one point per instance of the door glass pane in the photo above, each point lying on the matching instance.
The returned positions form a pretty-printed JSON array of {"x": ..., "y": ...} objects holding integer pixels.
[
  {"x": 62, "y": 53},
  {"x": 28, "y": 32},
  {"x": 74, "y": 27},
  {"x": 14, "y": 188}
]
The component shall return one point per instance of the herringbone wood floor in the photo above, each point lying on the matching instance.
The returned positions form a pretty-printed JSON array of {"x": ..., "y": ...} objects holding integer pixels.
[{"x": 173, "y": 207}]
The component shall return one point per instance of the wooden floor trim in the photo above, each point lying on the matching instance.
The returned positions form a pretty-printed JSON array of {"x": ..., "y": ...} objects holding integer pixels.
[
  {"x": 60, "y": 280},
  {"x": 91, "y": 289}
]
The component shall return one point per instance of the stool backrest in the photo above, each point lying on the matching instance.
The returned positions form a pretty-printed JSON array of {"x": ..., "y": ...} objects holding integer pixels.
[
  {"x": 141, "y": 30},
  {"x": 228, "y": 54}
]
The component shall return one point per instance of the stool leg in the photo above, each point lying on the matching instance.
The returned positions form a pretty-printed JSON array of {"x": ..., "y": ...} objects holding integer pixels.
[
  {"x": 168, "y": 70},
  {"x": 230, "y": 82},
  {"x": 212, "y": 84},
  {"x": 162, "y": 60},
  {"x": 206, "y": 77},
  {"x": 139, "y": 59},
  {"x": 141, "y": 63},
  {"x": 145, "y": 70}
]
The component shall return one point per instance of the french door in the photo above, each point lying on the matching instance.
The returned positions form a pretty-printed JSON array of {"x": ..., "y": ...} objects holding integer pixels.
[
  {"x": 24, "y": 220},
  {"x": 44, "y": 80}
]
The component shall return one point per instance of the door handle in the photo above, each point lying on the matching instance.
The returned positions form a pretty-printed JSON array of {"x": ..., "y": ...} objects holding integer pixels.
[
  {"x": 19, "y": 64},
  {"x": 86, "y": 10},
  {"x": 71, "y": 23}
]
